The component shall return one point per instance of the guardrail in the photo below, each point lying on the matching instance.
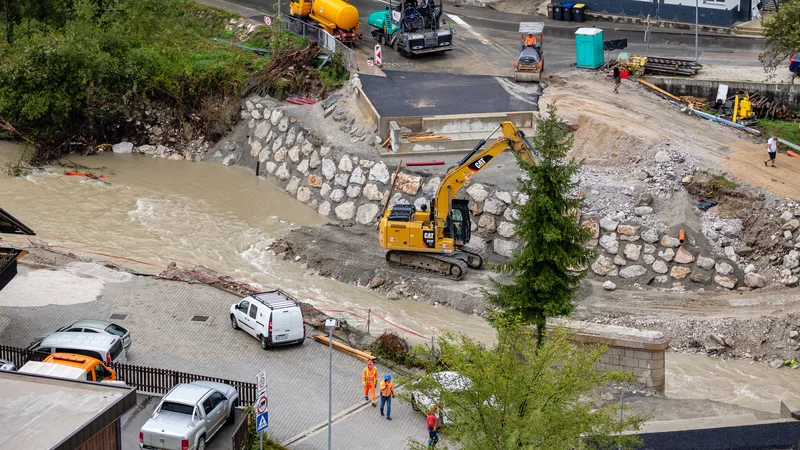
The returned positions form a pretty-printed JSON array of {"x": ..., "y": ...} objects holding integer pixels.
[
  {"x": 313, "y": 33},
  {"x": 148, "y": 380}
]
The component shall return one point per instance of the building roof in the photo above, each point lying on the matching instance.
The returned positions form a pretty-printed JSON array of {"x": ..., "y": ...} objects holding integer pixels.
[
  {"x": 9, "y": 224},
  {"x": 44, "y": 412}
]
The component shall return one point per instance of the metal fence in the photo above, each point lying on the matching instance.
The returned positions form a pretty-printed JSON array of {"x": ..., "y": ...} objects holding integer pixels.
[
  {"x": 242, "y": 432},
  {"x": 148, "y": 380},
  {"x": 313, "y": 33}
]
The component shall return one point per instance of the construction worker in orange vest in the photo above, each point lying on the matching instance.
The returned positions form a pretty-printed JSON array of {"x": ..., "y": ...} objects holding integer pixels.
[
  {"x": 529, "y": 41},
  {"x": 369, "y": 378},
  {"x": 387, "y": 394}
]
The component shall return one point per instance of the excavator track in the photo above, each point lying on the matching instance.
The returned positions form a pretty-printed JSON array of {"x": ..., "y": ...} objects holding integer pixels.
[
  {"x": 473, "y": 260},
  {"x": 450, "y": 266}
]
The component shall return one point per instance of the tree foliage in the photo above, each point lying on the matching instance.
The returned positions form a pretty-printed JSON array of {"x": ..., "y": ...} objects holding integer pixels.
[
  {"x": 524, "y": 396},
  {"x": 782, "y": 33},
  {"x": 553, "y": 243}
]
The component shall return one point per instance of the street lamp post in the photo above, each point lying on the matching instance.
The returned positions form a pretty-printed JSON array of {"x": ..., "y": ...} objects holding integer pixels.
[
  {"x": 696, "y": 26},
  {"x": 331, "y": 324}
]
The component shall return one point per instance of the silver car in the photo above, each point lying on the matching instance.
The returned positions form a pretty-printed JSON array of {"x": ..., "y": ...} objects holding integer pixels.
[
  {"x": 92, "y": 326},
  {"x": 189, "y": 415}
]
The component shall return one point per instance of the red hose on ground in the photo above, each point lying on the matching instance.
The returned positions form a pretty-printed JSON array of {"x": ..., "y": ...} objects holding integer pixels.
[{"x": 425, "y": 163}]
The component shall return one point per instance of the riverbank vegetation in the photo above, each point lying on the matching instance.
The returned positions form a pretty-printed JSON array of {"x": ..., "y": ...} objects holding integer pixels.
[{"x": 75, "y": 70}]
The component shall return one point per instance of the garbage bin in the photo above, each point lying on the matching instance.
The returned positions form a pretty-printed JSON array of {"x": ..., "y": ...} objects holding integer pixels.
[
  {"x": 577, "y": 12},
  {"x": 550, "y": 7},
  {"x": 567, "y": 11},
  {"x": 558, "y": 11}
]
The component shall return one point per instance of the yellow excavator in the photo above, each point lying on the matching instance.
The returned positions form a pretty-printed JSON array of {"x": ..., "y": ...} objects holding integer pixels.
[{"x": 432, "y": 239}]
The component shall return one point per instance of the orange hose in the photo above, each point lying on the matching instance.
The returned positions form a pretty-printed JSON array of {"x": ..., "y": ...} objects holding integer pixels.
[{"x": 681, "y": 236}]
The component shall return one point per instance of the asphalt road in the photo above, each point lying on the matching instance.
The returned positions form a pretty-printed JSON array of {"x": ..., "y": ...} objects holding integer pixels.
[
  {"x": 487, "y": 41},
  {"x": 425, "y": 93}
]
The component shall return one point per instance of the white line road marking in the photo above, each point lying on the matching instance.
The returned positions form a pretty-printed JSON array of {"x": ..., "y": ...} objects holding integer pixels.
[
  {"x": 468, "y": 27},
  {"x": 510, "y": 88}
]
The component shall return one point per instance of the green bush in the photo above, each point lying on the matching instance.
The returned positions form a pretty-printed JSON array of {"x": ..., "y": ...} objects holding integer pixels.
[{"x": 79, "y": 72}]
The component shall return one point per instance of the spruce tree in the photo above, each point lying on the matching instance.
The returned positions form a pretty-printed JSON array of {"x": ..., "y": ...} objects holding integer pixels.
[{"x": 542, "y": 270}]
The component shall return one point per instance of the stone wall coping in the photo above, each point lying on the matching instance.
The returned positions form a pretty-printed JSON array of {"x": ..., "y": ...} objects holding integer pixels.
[{"x": 613, "y": 335}]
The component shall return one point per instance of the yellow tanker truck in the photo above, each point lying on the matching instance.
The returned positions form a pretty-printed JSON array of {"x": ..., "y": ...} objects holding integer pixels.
[{"x": 337, "y": 17}]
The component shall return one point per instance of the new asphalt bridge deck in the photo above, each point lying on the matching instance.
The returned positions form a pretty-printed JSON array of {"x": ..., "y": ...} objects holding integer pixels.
[{"x": 403, "y": 94}]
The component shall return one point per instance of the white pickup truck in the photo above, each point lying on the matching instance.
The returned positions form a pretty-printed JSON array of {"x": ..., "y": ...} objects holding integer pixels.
[{"x": 189, "y": 415}]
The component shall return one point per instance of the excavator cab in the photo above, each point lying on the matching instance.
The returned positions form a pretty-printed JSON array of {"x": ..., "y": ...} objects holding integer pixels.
[{"x": 458, "y": 224}]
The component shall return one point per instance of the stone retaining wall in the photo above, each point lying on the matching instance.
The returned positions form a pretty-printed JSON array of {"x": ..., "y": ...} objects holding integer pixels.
[
  {"x": 341, "y": 186},
  {"x": 629, "y": 350}
]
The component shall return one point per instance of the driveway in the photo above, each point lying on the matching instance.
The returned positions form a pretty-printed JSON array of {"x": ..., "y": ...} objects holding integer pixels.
[{"x": 159, "y": 315}]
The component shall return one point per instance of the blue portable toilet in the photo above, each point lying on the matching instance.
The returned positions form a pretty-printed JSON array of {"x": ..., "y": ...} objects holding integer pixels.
[{"x": 589, "y": 47}]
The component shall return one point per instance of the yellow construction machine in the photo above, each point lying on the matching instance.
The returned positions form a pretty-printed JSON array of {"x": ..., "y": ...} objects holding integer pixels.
[
  {"x": 529, "y": 65},
  {"x": 433, "y": 238}
]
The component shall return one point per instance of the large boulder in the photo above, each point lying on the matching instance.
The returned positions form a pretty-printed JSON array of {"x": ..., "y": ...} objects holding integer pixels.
[
  {"x": 341, "y": 179},
  {"x": 725, "y": 282},
  {"x": 754, "y": 280},
  {"x": 345, "y": 211},
  {"x": 593, "y": 226},
  {"x": 608, "y": 224},
  {"x": 304, "y": 194},
  {"x": 345, "y": 163},
  {"x": 670, "y": 242},
  {"x": 650, "y": 236},
  {"x": 632, "y": 251},
  {"x": 477, "y": 192},
  {"x": 366, "y": 213},
  {"x": 430, "y": 188},
  {"x": 294, "y": 183},
  {"x": 506, "y": 229},
  {"x": 723, "y": 268},
  {"x": 679, "y": 272},
  {"x": 122, "y": 147},
  {"x": 337, "y": 195},
  {"x": 407, "y": 183},
  {"x": 494, "y": 206},
  {"x": 380, "y": 173},
  {"x": 610, "y": 243},
  {"x": 660, "y": 267},
  {"x": 682, "y": 256},
  {"x": 603, "y": 266},
  {"x": 632, "y": 271},
  {"x": 667, "y": 254},
  {"x": 358, "y": 176},
  {"x": 324, "y": 208},
  {"x": 705, "y": 262},
  {"x": 372, "y": 193},
  {"x": 505, "y": 247},
  {"x": 328, "y": 168}
]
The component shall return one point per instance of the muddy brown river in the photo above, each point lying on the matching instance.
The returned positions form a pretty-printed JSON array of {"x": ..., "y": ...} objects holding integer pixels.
[{"x": 150, "y": 212}]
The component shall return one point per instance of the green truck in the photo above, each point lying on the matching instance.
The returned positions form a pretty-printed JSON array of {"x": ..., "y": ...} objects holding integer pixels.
[{"x": 412, "y": 27}]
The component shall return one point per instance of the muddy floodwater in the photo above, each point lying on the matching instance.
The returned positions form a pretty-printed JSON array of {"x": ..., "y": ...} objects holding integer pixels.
[{"x": 151, "y": 212}]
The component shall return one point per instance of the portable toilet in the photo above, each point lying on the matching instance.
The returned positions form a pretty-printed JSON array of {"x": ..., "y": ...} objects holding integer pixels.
[{"x": 589, "y": 47}]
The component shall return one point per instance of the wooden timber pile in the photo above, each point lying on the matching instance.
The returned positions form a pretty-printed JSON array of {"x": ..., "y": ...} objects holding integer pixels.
[
  {"x": 358, "y": 354},
  {"x": 424, "y": 136},
  {"x": 671, "y": 66},
  {"x": 764, "y": 108}
]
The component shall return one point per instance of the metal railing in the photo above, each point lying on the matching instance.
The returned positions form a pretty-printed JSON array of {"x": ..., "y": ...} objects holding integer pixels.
[
  {"x": 325, "y": 40},
  {"x": 242, "y": 432},
  {"x": 148, "y": 380}
]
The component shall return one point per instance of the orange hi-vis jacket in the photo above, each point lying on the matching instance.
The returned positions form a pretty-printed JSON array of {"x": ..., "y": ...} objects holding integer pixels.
[
  {"x": 530, "y": 41},
  {"x": 387, "y": 388},
  {"x": 369, "y": 377}
]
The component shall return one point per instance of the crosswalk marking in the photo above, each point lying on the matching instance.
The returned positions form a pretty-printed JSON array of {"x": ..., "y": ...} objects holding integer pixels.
[{"x": 468, "y": 27}]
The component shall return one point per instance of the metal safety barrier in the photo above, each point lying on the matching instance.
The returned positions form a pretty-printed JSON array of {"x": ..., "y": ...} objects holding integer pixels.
[
  {"x": 325, "y": 40},
  {"x": 148, "y": 380}
]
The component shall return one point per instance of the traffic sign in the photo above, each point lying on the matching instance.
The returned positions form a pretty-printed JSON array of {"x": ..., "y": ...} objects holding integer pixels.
[
  {"x": 378, "y": 55},
  {"x": 370, "y": 63},
  {"x": 261, "y": 404},
  {"x": 261, "y": 379},
  {"x": 262, "y": 422},
  {"x": 268, "y": 20}
]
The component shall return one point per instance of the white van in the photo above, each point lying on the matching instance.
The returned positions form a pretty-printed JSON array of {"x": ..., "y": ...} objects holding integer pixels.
[
  {"x": 273, "y": 317},
  {"x": 105, "y": 347}
]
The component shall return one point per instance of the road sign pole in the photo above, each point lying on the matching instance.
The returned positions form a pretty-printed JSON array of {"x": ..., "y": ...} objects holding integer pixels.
[
  {"x": 261, "y": 440},
  {"x": 330, "y": 383}
]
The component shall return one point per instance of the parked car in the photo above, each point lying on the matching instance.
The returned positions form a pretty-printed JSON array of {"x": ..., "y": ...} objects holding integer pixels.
[
  {"x": 7, "y": 365},
  {"x": 106, "y": 348},
  {"x": 91, "y": 326},
  {"x": 424, "y": 399},
  {"x": 189, "y": 416},
  {"x": 93, "y": 369},
  {"x": 273, "y": 317},
  {"x": 794, "y": 63}
]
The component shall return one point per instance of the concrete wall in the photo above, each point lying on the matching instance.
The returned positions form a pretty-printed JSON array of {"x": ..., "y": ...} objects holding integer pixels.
[
  {"x": 630, "y": 350},
  {"x": 711, "y": 13},
  {"x": 784, "y": 93}
]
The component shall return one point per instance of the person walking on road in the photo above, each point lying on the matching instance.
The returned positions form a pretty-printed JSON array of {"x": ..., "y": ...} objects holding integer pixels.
[
  {"x": 433, "y": 426},
  {"x": 369, "y": 378},
  {"x": 387, "y": 393},
  {"x": 617, "y": 80},
  {"x": 772, "y": 149}
]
